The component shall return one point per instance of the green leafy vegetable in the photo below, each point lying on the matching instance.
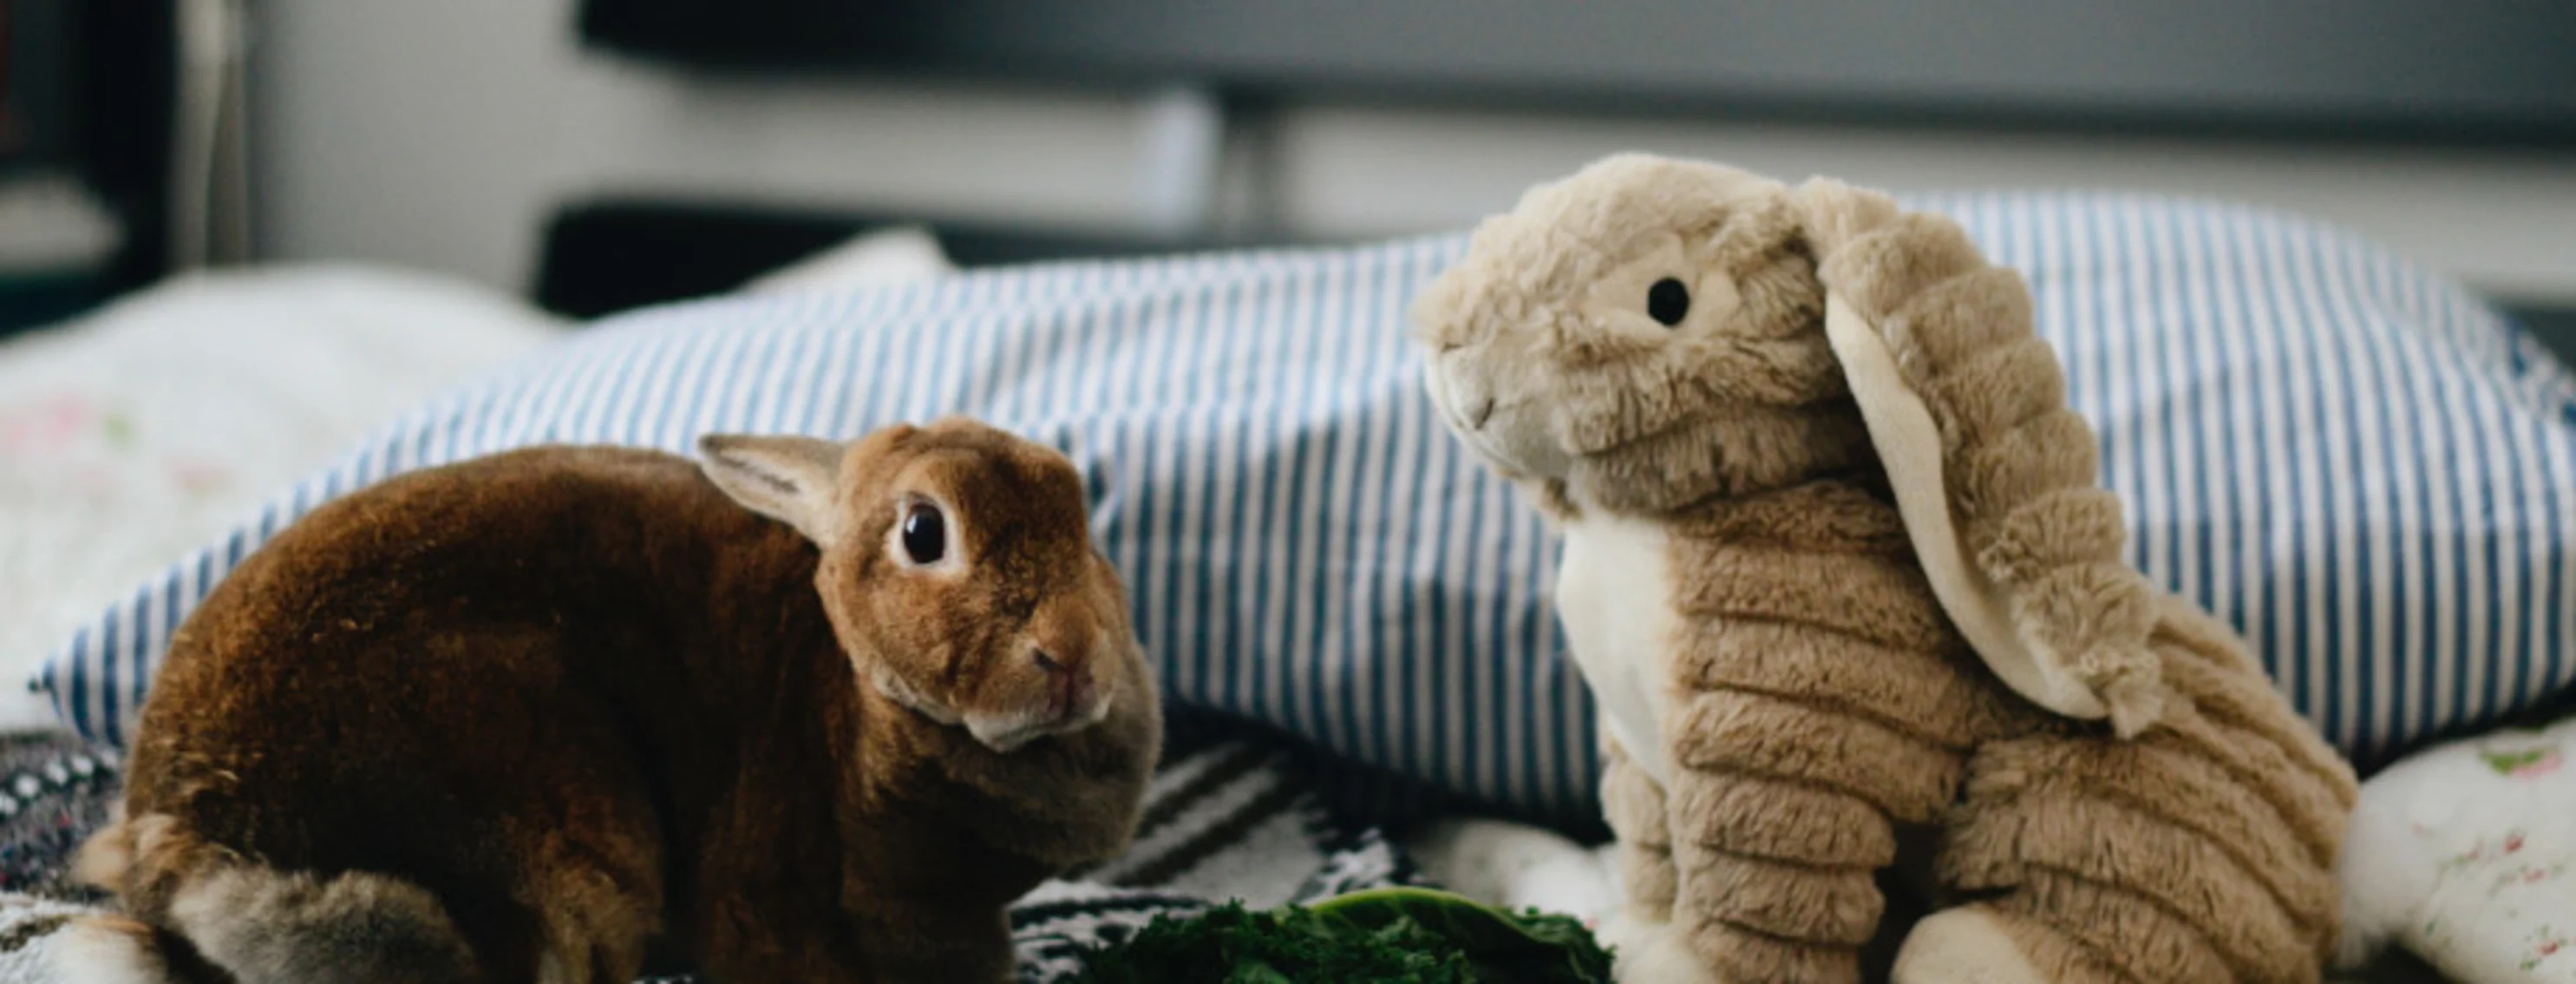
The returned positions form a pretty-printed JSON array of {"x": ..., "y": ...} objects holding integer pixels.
[{"x": 1384, "y": 936}]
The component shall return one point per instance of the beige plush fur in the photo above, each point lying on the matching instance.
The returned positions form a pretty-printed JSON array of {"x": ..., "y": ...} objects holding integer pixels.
[{"x": 1891, "y": 597}]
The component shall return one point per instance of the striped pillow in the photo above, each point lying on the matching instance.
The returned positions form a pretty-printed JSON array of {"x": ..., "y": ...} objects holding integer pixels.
[{"x": 2361, "y": 466}]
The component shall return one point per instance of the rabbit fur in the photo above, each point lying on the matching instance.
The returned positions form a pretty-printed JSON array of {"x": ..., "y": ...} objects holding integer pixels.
[
  {"x": 1838, "y": 571},
  {"x": 565, "y": 713}
]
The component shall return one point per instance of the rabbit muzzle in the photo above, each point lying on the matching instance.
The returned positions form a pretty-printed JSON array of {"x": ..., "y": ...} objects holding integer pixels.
[
  {"x": 1060, "y": 686},
  {"x": 1494, "y": 417}
]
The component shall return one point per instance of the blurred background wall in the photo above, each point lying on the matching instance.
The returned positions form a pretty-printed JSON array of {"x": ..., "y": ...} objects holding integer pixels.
[
  {"x": 436, "y": 134},
  {"x": 601, "y": 153}
]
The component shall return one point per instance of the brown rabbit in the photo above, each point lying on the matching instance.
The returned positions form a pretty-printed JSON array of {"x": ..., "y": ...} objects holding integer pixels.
[{"x": 560, "y": 714}]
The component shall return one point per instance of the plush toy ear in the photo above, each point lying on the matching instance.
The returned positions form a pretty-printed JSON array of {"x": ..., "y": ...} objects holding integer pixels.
[
  {"x": 1994, "y": 474},
  {"x": 794, "y": 480}
]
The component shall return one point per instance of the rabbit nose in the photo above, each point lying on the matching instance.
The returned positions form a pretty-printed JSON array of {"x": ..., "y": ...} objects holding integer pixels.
[{"x": 1070, "y": 687}]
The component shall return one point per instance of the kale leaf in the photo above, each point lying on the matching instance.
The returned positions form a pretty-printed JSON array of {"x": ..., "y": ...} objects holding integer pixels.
[{"x": 1383, "y": 936}]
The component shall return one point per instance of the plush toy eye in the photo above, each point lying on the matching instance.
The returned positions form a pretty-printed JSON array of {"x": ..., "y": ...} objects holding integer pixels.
[
  {"x": 1668, "y": 302},
  {"x": 925, "y": 533}
]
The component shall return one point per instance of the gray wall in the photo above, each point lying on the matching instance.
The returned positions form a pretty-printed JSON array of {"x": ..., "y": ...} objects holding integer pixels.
[{"x": 439, "y": 135}]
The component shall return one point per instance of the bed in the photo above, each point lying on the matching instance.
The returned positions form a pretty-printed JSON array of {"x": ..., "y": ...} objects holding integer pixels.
[{"x": 1366, "y": 658}]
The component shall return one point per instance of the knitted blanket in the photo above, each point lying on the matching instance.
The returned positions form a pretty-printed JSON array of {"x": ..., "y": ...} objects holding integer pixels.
[{"x": 1238, "y": 819}]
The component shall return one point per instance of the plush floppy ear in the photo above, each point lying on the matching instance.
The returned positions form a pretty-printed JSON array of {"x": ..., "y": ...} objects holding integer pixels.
[
  {"x": 794, "y": 480},
  {"x": 1993, "y": 472}
]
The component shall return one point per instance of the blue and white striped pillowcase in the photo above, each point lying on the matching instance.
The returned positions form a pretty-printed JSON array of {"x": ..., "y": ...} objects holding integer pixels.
[{"x": 2359, "y": 465}]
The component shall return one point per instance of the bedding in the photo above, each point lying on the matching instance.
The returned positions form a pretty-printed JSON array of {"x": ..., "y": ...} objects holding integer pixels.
[
  {"x": 1226, "y": 818},
  {"x": 2358, "y": 464},
  {"x": 133, "y": 434},
  {"x": 2465, "y": 855}
]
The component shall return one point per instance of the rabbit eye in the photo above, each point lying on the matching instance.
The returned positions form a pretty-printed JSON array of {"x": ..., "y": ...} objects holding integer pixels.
[
  {"x": 925, "y": 533},
  {"x": 1668, "y": 302}
]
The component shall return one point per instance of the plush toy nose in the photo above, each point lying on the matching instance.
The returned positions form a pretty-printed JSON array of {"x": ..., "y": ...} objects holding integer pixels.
[{"x": 1464, "y": 396}]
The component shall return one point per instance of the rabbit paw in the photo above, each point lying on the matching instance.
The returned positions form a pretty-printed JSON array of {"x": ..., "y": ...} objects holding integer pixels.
[
  {"x": 1652, "y": 953},
  {"x": 1962, "y": 946}
]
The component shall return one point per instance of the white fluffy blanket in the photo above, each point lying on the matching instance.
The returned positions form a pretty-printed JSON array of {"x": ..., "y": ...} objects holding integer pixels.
[{"x": 137, "y": 433}]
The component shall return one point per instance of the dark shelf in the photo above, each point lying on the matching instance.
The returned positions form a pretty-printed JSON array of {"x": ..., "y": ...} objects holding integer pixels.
[
  {"x": 2499, "y": 72},
  {"x": 90, "y": 90}
]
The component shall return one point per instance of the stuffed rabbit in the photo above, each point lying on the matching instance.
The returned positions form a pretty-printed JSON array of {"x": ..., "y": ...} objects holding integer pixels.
[
  {"x": 1836, "y": 569},
  {"x": 543, "y": 715}
]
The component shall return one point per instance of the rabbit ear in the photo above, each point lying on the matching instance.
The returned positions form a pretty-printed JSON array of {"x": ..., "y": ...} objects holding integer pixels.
[
  {"x": 794, "y": 480},
  {"x": 1993, "y": 473}
]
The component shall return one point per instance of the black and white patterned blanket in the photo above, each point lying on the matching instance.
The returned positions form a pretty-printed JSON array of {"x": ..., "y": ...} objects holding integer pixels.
[{"x": 1238, "y": 819}]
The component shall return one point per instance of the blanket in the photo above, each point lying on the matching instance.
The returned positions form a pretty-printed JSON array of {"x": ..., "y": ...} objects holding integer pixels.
[
  {"x": 1228, "y": 816},
  {"x": 1239, "y": 818},
  {"x": 130, "y": 436},
  {"x": 2464, "y": 855}
]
